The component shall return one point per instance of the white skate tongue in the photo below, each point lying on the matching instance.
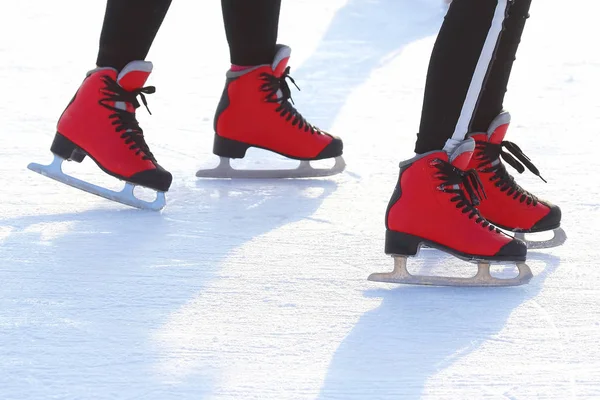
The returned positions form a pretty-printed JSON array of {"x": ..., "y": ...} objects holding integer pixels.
[
  {"x": 134, "y": 75},
  {"x": 498, "y": 128},
  {"x": 280, "y": 62},
  {"x": 461, "y": 155},
  {"x": 281, "y": 58}
]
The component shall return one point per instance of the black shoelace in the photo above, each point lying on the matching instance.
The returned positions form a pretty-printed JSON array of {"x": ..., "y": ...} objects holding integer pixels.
[
  {"x": 457, "y": 182},
  {"x": 487, "y": 153},
  {"x": 125, "y": 121},
  {"x": 275, "y": 86}
]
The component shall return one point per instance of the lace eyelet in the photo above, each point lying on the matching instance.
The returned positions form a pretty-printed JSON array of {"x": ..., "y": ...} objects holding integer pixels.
[{"x": 434, "y": 162}]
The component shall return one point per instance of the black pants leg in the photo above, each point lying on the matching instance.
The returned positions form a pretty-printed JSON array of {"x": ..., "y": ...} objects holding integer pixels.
[
  {"x": 492, "y": 98},
  {"x": 129, "y": 29},
  {"x": 469, "y": 69},
  {"x": 251, "y": 27}
]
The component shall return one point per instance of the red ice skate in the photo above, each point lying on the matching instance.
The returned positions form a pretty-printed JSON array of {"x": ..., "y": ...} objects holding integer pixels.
[
  {"x": 256, "y": 111},
  {"x": 100, "y": 122},
  {"x": 508, "y": 205},
  {"x": 434, "y": 205}
]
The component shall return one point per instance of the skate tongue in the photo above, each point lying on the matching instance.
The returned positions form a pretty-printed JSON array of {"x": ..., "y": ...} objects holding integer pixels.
[
  {"x": 461, "y": 155},
  {"x": 134, "y": 75},
  {"x": 497, "y": 130},
  {"x": 281, "y": 59}
]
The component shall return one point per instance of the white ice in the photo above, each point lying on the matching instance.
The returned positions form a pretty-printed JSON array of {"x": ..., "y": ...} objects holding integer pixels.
[{"x": 258, "y": 290}]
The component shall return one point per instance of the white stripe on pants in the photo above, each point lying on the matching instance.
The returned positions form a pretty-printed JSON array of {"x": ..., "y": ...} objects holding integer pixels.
[{"x": 477, "y": 81}]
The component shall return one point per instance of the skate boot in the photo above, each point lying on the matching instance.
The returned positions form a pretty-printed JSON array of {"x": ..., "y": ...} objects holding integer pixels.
[
  {"x": 100, "y": 123},
  {"x": 508, "y": 205},
  {"x": 256, "y": 111},
  {"x": 433, "y": 205}
]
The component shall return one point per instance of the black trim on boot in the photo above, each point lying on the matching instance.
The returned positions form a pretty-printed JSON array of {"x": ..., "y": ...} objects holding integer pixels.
[
  {"x": 515, "y": 248},
  {"x": 229, "y": 148},
  {"x": 404, "y": 244},
  {"x": 223, "y": 102},
  {"x": 66, "y": 149},
  {"x": 395, "y": 195},
  {"x": 401, "y": 244},
  {"x": 333, "y": 149},
  {"x": 550, "y": 221},
  {"x": 158, "y": 179}
]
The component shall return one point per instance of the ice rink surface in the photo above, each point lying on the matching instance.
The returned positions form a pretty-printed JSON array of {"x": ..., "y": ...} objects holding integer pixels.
[{"x": 257, "y": 289}]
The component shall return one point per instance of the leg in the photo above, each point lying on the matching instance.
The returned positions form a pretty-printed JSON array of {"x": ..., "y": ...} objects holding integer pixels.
[
  {"x": 434, "y": 184},
  {"x": 100, "y": 120},
  {"x": 461, "y": 58},
  {"x": 129, "y": 29},
  {"x": 251, "y": 28},
  {"x": 508, "y": 205},
  {"x": 490, "y": 104}
]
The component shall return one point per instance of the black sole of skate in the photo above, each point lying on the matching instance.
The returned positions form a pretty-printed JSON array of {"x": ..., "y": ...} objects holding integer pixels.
[
  {"x": 230, "y": 148},
  {"x": 404, "y": 244},
  {"x": 68, "y": 150}
]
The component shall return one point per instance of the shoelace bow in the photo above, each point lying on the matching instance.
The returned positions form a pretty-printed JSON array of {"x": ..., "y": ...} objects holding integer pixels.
[
  {"x": 124, "y": 120},
  {"x": 467, "y": 188},
  {"x": 276, "y": 86},
  {"x": 487, "y": 153}
]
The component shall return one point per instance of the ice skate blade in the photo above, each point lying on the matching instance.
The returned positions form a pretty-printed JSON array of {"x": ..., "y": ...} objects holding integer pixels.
[
  {"x": 125, "y": 196},
  {"x": 225, "y": 171},
  {"x": 483, "y": 278},
  {"x": 559, "y": 238}
]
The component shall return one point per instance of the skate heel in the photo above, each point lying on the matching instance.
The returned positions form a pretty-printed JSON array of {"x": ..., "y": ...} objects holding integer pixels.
[
  {"x": 401, "y": 244},
  {"x": 66, "y": 149},
  {"x": 229, "y": 148}
]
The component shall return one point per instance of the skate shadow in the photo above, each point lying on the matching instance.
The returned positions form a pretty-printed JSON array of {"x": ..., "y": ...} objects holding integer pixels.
[
  {"x": 83, "y": 293},
  {"x": 363, "y": 35},
  {"x": 417, "y": 332}
]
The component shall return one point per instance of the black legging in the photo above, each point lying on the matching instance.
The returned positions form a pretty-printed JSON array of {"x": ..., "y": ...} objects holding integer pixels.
[
  {"x": 130, "y": 27},
  {"x": 452, "y": 69},
  {"x": 251, "y": 27}
]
